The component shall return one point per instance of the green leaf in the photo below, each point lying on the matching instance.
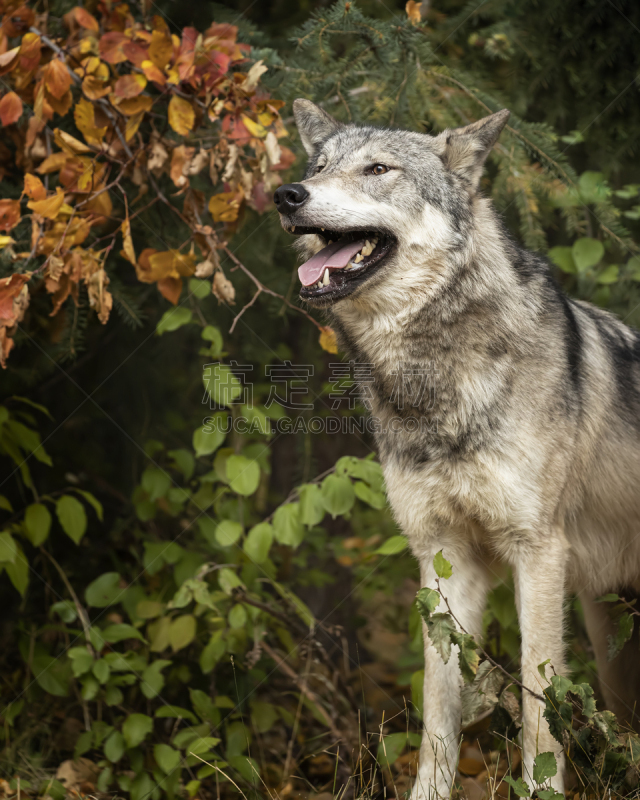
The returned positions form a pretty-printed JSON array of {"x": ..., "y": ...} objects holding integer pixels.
[
  {"x": 204, "y": 707},
  {"x": 311, "y": 506},
  {"x": 393, "y": 546},
  {"x": 136, "y": 728},
  {"x": 104, "y": 591},
  {"x": 208, "y": 438},
  {"x": 184, "y": 461},
  {"x": 228, "y": 532},
  {"x": 166, "y": 757},
  {"x": 623, "y": 632},
  {"x": 175, "y": 712},
  {"x": 8, "y": 548},
  {"x": 243, "y": 475},
  {"x": 101, "y": 671},
  {"x": 365, "y": 493},
  {"x": 258, "y": 542},
  {"x": 549, "y": 794},
  {"x": 237, "y": 616},
  {"x": 427, "y": 600},
  {"x": 18, "y": 571},
  {"x": 114, "y": 747},
  {"x": 182, "y": 632},
  {"x": 202, "y": 745},
  {"x": 442, "y": 566},
  {"x": 609, "y": 275},
  {"x": 120, "y": 631},
  {"x": 212, "y": 334},
  {"x": 50, "y": 674},
  {"x": 93, "y": 502},
  {"x": 222, "y": 384},
  {"x": 156, "y": 483},
  {"x": 81, "y": 660},
  {"x": 199, "y": 288},
  {"x": 72, "y": 517},
  {"x": 440, "y": 627},
  {"x": 587, "y": 253},
  {"x": 228, "y": 580},
  {"x": 544, "y": 767},
  {"x": 5, "y": 504},
  {"x": 390, "y": 748},
  {"x": 468, "y": 657},
  {"x": 173, "y": 318},
  {"x": 213, "y": 652},
  {"x": 152, "y": 680},
  {"x": 263, "y": 716},
  {"x": 337, "y": 495},
  {"x": 287, "y": 527},
  {"x": 518, "y": 786},
  {"x": 37, "y": 523},
  {"x": 562, "y": 257}
]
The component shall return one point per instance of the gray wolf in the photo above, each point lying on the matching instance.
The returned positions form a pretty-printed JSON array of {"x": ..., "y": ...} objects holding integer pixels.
[{"x": 535, "y": 457}]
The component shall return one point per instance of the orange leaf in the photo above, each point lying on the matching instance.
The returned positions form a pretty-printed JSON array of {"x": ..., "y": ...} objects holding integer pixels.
[
  {"x": 135, "y": 105},
  {"x": 170, "y": 289},
  {"x": 10, "y": 108},
  {"x": 10, "y": 289},
  {"x": 59, "y": 106},
  {"x": 30, "y": 52},
  {"x": 9, "y": 60},
  {"x": 328, "y": 340},
  {"x": 180, "y": 160},
  {"x": 57, "y": 78},
  {"x": 112, "y": 47},
  {"x": 160, "y": 49},
  {"x": 49, "y": 208},
  {"x": 414, "y": 12},
  {"x": 33, "y": 187},
  {"x": 181, "y": 115},
  {"x": 9, "y": 214},
  {"x": 85, "y": 19},
  {"x": 153, "y": 73},
  {"x": 97, "y": 84},
  {"x": 130, "y": 85}
]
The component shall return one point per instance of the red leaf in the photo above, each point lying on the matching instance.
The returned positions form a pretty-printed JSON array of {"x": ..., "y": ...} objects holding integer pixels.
[
  {"x": 10, "y": 108},
  {"x": 112, "y": 47}
]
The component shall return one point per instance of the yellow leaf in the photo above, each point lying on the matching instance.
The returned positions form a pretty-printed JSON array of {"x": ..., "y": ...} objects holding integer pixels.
[
  {"x": 69, "y": 143},
  {"x": 53, "y": 163},
  {"x": 181, "y": 115},
  {"x": 133, "y": 123},
  {"x": 83, "y": 115},
  {"x": 128, "y": 251},
  {"x": 5, "y": 241},
  {"x": 254, "y": 128},
  {"x": 224, "y": 207},
  {"x": 33, "y": 187},
  {"x": 328, "y": 340},
  {"x": 49, "y": 208},
  {"x": 134, "y": 105},
  {"x": 160, "y": 49}
]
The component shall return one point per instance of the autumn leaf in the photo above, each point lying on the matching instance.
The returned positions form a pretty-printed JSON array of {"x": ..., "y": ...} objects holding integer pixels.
[
  {"x": 33, "y": 187},
  {"x": 414, "y": 12},
  {"x": 170, "y": 289},
  {"x": 53, "y": 163},
  {"x": 153, "y": 73},
  {"x": 111, "y": 47},
  {"x": 135, "y": 105},
  {"x": 254, "y": 128},
  {"x": 50, "y": 207},
  {"x": 10, "y": 108},
  {"x": 160, "y": 49},
  {"x": 180, "y": 159},
  {"x": 128, "y": 252},
  {"x": 9, "y": 214},
  {"x": 181, "y": 115},
  {"x": 69, "y": 143},
  {"x": 10, "y": 289},
  {"x": 57, "y": 78},
  {"x": 328, "y": 340},
  {"x": 99, "y": 298},
  {"x": 85, "y": 19},
  {"x": 84, "y": 116},
  {"x": 129, "y": 86},
  {"x": 9, "y": 60},
  {"x": 224, "y": 207}
]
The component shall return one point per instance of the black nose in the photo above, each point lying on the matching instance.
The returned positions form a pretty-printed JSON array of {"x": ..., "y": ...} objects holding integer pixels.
[{"x": 290, "y": 197}]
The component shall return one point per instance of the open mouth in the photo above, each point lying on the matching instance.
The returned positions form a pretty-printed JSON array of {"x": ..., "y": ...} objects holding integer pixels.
[{"x": 344, "y": 263}]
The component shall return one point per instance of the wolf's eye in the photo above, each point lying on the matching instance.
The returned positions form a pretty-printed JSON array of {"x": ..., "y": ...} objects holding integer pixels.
[
  {"x": 319, "y": 168},
  {"x": 379, "y": 169}
]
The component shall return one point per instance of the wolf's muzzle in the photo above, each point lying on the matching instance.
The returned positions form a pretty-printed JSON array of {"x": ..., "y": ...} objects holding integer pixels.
[{"x": 290, "y": 197}]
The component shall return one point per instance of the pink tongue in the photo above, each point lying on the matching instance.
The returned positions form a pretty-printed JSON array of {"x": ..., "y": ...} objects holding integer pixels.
[{"x": 333, "y": 256}]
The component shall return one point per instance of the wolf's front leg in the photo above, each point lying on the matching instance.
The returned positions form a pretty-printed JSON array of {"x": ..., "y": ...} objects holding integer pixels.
[
  {"x": 540, "y": 579},
  {"x": 466, "y": 593}
]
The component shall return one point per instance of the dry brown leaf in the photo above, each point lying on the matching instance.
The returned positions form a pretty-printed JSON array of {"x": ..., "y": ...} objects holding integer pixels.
[{"x": 223, "y": 289}]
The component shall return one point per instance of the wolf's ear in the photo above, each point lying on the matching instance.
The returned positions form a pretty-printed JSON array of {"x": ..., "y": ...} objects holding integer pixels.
[
  {"x": 314, "y": 124},
  {"x": 464, "y": 150}
]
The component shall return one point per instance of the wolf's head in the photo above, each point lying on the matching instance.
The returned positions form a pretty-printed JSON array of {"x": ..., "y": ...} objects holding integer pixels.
[{"x": 380, "y": 206}]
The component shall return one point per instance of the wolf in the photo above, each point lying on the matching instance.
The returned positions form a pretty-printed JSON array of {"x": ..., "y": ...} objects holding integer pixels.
[{"x": 531, "y": 451}]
